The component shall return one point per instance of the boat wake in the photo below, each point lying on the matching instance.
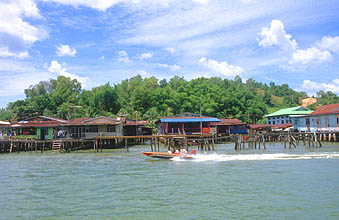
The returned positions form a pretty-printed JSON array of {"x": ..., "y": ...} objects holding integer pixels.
[{"x": 243, "y": 157}]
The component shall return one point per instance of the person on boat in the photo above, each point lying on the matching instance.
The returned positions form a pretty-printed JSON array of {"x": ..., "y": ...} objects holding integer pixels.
[
  {"x": 169, "y": 152},
  {"x": 176, "y": 151},
  {"x": 183, "y": 151}
]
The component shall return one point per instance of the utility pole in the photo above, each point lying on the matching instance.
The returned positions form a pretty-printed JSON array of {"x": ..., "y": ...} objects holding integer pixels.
[
  {"x": 200, "y": 118},
  {"x": 136, "y": 123}
]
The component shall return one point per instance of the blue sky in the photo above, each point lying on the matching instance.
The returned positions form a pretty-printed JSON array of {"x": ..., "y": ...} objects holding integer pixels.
[{"x": 99, "y": 41}]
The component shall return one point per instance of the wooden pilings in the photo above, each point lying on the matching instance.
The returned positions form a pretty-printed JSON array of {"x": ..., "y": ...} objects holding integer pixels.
[
  {"x": 204, "y": 142},
  {"x": 287, "y": 139}
]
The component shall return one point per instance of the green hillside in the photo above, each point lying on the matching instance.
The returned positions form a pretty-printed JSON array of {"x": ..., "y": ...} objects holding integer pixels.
[{"x": 149, "y": 98}]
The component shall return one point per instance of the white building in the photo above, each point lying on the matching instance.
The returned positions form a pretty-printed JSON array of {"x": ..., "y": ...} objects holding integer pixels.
[
  {"x": 326, "y": 118},
  {"x": 284, "y": 116}
]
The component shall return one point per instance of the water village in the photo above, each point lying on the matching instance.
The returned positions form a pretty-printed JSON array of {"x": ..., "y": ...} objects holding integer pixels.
[{"x": 291, "y": 126}]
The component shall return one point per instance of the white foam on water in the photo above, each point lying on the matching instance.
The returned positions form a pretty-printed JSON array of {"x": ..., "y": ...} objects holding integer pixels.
[{"x": 243, "y": 157}]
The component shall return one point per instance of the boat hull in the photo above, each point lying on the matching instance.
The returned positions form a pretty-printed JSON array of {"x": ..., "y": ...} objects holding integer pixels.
[{"x": 163, "y": 155}]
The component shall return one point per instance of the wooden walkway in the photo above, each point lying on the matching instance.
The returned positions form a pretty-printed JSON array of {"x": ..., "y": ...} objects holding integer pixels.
[
  {"x": 58, "y": 145},
  {"x": 171, "y": 142},
  {"x": 292, "y": 139}
]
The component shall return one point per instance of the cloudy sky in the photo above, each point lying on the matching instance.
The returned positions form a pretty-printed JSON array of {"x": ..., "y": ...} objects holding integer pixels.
[{"x": 99, "y": 41}]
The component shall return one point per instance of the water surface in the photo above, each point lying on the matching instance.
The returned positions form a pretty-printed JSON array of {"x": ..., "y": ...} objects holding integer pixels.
[{"x": 278, "y": 183}]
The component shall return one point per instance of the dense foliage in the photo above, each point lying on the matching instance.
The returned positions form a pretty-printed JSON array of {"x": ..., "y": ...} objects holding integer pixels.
[{"x": 149, "y": 99}]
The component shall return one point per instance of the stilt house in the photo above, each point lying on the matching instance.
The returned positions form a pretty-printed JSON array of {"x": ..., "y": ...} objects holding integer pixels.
[{"x": 186, "y": 123}]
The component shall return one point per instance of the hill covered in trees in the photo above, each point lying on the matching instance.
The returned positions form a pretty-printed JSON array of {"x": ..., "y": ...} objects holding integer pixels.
[{"x": 149, "y": 98}]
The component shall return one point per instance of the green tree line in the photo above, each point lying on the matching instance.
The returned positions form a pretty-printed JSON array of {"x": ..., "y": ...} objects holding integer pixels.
[{"x": 150, "y": 98}]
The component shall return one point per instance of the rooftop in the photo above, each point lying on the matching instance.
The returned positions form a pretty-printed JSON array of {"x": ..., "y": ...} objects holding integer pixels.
[
  {"x": 299, "y": 110},
  {"x": 229, "y": 121},
  {"x": 189, "y": 119},
  {"x": 327, "y": 109},
  {"x": 261, "y": 126}
]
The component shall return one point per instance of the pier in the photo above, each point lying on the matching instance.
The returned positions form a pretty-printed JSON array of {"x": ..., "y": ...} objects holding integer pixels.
[
  {"x": 290, "y": 139},
  {"x": 172, "y": 142},
  {"x": 204, "y": 142}
]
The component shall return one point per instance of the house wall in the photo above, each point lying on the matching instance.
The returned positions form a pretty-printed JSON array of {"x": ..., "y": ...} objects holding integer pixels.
[
  {"x": 317, "y": 123},
  {"x": 50, "y": 134},
  {"x": 73, "y": 131},
  {"x": 281, "y": 119},
  {"x": 187, "y": 127},
  {"x": 232, "y": 129},
  {"x": 102, "y": 131},
  {"x": 38, "y": 134}
]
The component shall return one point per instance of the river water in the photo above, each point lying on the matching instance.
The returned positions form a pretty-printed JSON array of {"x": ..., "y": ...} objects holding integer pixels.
[{"x": 278, "y": 183}]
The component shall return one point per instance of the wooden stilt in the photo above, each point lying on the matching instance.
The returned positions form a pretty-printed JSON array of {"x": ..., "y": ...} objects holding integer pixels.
[
  {"x": 213, "y": 148},
  {"x": 126, "y": 145},
  {"x": 158, "y": 143},
  {"x": 152, "y": 144},
  {"x": 264, "y": 142}
]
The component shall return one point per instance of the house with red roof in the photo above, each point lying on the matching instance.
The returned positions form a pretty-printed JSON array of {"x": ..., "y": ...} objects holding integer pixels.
[
  {"x": 48, "y": 128},
  {"x": 39, "y": 127},
  {"x": 230, "y": 126},
  {"x": 92, "y": 127},
  {"x": 325, "y": 118}
]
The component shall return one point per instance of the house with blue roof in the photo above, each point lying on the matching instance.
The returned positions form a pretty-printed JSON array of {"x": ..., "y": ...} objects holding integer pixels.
[{"x": 186, "y": 123}]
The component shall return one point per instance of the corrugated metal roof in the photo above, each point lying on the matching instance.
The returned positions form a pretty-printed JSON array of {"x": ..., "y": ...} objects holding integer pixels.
[
  {"x": 36, "y": 118},
  {"x": 183, "y": 120},
  {"x": 291, "y": 111},
  {"x": 229, "y": 121},
  {"x": 261, "y": 126},
  {"x": 327, "y": 109}
]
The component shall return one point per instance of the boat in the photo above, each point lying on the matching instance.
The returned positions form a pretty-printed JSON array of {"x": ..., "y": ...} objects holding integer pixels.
[{"x": 164, "y": 155}]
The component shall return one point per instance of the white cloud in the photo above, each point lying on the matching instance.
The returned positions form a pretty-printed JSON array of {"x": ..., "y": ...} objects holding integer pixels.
[
  {"x": 57, "y": 68},
  {"x": 16, "y": 34},
  {"x": 145, "y": 74},
  {"x": 101, "y": 5},
  {"x": 222, "y": 68},
  {"x": 310, "y": 56},
  {"x": 276, "y": 35},
  {"x": 173, "y": 67},
  {"x": 24, "y": 73},
  {"x": 211, "y": 23},
  {"x": 171, "y": 50},
  {"x": 145, "y": 56},
  {"x": 312, "y": 87},
  {"x": 123, "y": 56},
  {"x": 4, "y": 52},
  {"x": 329, "y": 43},
  {"x": 65, "y": 50},
  {"x": 299, "y": 58}
]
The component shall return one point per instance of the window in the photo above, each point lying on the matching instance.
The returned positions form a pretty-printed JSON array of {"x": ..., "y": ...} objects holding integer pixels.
[
  {"x": 269, "y": 122},
  {"x": 111, "y": 128},
  {"x": 92, "y": 129},
  {"x": 29, "y": 131},
  {"x": 274, "y": 122},
  {"x": 296, "y": 121},
  {"x": 307, "y": 121},
  {"x": 337, "y": 120},
  {"x": 282, "y": 121}
]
